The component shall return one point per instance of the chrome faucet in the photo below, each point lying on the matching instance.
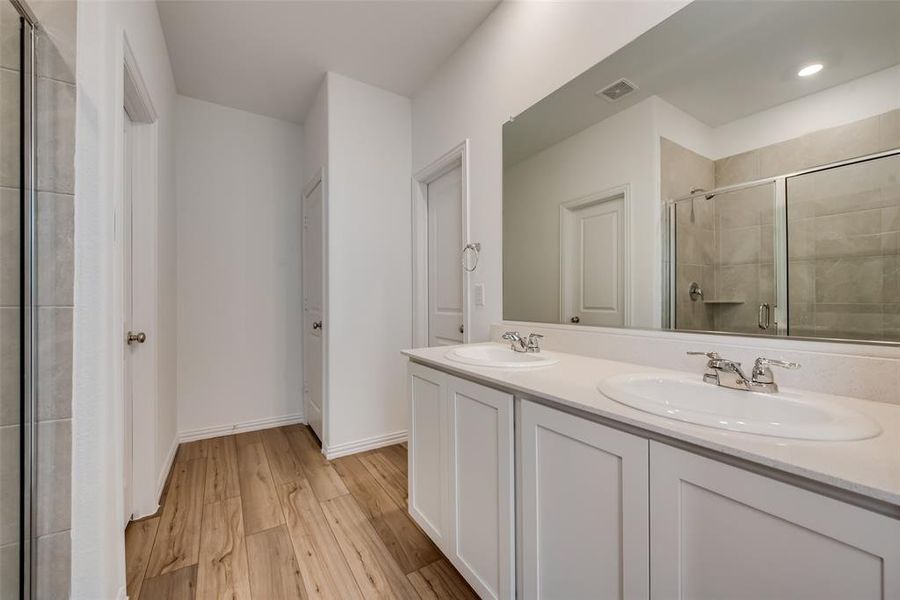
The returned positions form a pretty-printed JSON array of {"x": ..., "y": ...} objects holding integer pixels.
[
  {"x": 519, "y": 344},
  {"x": 728, "y": 373}
]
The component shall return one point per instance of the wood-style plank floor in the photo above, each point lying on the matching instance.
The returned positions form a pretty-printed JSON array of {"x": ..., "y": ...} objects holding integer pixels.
[{"x": 264, "y": 516}]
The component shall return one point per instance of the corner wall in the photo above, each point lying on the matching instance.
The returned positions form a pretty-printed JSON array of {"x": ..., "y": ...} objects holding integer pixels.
[
  {"x": 239, "y": 183},
  {"x": 369, "y": 274},
  {"x": 98, "y": 566}
]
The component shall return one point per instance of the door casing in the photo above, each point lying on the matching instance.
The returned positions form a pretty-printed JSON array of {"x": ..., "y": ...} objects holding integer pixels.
[{"x": 457, "y": 156}]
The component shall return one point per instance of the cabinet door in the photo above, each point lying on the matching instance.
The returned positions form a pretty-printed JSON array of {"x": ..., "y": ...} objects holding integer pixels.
[
  {"x": 585, "y": 529},
  {"x": 428, "y": 453},
  {"x": 722, "y": 532},
  {"x": 481, "y": 487}
]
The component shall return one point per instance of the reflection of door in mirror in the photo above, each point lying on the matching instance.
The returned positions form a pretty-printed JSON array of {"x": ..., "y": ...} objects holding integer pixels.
[{"x": 592, "y": 247}]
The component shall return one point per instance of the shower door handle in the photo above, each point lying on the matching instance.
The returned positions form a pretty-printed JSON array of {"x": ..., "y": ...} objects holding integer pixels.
[{"x": 764, "y": 315}]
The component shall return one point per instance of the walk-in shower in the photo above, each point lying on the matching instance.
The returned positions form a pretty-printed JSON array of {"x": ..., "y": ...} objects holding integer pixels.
[{"x": 814, "y": 253}]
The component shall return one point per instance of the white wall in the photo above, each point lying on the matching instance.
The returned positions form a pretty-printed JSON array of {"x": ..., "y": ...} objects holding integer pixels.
[
  {"x": 238, "y": 182},
  {"x": 615, "y": 152},
  {"x": 522, "y": 52},
  {"x": 369, "y": 287},
  {"x": 98, "y": 567},
  {"x": 852, "y": 101}
]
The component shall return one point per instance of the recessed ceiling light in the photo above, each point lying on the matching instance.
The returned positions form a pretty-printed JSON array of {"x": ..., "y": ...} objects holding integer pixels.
[{"x": 810, "y": 70}]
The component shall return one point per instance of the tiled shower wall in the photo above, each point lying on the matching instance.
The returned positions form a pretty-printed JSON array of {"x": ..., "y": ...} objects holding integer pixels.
[
  {"x": 844, "y": 234},
  {"x": 54, "y": 144},
  {"x": 681, "y": 171},
  {"x": 843, "y": 227},
  {"x": 723, "y": 243}
]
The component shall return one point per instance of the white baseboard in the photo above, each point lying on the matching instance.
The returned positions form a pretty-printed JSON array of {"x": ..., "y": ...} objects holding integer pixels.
[
  {"x": 378, "y": 441},
  {"x": 164, "y": 472},
  {"x": 219, "y": 430}
]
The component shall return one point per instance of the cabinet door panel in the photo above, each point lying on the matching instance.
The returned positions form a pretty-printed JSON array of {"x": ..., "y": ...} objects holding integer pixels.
[
  {"x": 584, "y": 508},
  {"x": 428, "y": 460},
  {"x": 481, "y": 483},
  {"x": 720, "y": 531}
]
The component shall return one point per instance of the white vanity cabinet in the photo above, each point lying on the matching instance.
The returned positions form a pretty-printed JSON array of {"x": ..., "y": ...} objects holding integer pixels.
[
  {"x": 461, "y": 486},
  {"x": 598, "y": 512},
  {"x": 719, "y": 531},
  {"x": 585, "y": 530}
]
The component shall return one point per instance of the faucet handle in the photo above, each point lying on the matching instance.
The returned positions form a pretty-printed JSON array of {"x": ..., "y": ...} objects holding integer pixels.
[
  {"x": 709, "y": 355},
  {"x": 773, "y": 362},
  {"x": 534, "y": 342},
  {"x": 761, "y": 366},
  {"x": 511, "y": 335},
  {"x": 762, "y": 376}
]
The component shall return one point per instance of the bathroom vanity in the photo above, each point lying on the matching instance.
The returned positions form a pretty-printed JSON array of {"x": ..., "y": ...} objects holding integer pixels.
[{"x": 535, "y": 484}]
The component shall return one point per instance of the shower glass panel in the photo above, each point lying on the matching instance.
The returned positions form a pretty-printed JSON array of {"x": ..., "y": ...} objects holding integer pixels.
[
  {"x": 16, "y": 467},
  {"x": 844, "y": 251},
  {"x": 725, "y": 261}
]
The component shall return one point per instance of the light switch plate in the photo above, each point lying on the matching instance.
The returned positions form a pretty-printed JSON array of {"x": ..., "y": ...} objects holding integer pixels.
[{"x": 479, "y": 294}]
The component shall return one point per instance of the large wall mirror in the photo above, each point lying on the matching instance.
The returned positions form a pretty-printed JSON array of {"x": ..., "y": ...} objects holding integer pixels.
[{"x": 736, "y": 169}]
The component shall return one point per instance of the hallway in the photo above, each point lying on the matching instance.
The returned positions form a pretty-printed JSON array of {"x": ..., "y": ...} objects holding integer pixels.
[{"x": 264, "y": 515}]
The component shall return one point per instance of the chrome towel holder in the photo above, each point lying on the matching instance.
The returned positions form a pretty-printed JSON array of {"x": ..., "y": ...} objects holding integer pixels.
[{"x": 475, "y": 249}]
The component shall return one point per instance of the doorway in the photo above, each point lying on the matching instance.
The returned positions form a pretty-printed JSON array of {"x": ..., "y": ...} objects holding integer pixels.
[
  {"x": 314, "y": 338},
  {"x": 594, "y": 252},
  {"x": 136, "y": 312},
  {"x": 443, "y": 256}
]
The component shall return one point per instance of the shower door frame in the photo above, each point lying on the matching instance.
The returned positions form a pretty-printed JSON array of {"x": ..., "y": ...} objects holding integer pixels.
[
  {"x": 27, "y": 293},
  {"x": 782, "y": 316}
]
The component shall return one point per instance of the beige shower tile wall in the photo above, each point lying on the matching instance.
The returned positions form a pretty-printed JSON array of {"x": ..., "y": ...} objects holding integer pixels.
[
  {"x": 844, "y": 227},
  {"x": 10, "y": 314},
  {"x": 681, "y": 171},
  {"x": 868, "y": 136},
  {"x": 843, "y": 246},
  {"x": 55, "y": 218}
]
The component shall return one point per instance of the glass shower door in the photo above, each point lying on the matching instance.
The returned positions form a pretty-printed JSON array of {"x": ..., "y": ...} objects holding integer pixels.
[
  {"x": 725, "y": 267},
  {"x": 844, "y": 250}
]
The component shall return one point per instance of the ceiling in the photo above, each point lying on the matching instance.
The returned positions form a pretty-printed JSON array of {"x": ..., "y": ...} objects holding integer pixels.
[
  {"x": 720, "y": 61},
  {"x": 269, "y": 57}
]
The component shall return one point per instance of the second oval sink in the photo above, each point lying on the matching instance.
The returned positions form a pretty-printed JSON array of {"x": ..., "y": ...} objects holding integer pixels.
[
  {"x": 785, "y": 414},
  {"x": 497, "y": 356}
]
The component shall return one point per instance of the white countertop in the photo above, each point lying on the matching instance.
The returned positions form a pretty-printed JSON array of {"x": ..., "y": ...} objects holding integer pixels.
[{"x": 868, "y": 467}]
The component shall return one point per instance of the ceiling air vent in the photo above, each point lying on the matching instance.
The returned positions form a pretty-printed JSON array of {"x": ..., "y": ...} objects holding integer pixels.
[{"x": 617, "y": 90}]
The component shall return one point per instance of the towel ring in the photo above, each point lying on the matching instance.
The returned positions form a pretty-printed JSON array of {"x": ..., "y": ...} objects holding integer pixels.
[{"x": 476, "y": 250}]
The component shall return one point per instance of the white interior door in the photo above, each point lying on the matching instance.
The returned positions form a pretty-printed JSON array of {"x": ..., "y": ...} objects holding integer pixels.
[
  {"x": 128, "y": 315},
  {"x": 313, "y": 348},
  {"x": 445, "y": 274},
  {"x": 593, "y": 267}
]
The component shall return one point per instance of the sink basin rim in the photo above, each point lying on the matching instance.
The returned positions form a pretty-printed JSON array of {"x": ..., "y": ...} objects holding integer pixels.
[
  {"x": 835, "y": 422},
  {"x": 507, "y": 358}
]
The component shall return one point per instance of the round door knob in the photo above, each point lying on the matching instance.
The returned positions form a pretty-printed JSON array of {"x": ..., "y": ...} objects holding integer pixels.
[
  {"x": 575, "y": 320},
  {"x": 317, "y": 325},
  {"x": 139, "y": 337}
]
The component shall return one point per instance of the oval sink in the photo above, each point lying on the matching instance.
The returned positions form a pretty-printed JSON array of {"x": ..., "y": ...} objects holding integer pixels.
[
  {"x": 497, "y": 356},
  {"x": 785, "y": 414}
]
